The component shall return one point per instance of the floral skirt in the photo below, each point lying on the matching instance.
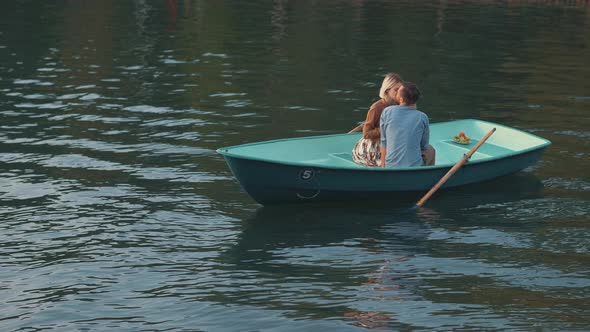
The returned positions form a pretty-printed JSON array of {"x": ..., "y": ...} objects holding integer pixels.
[{"x": 367, "y": 152}]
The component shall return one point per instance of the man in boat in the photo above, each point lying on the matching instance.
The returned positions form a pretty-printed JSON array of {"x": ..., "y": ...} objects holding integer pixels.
[{"x": 405, "y": 132}]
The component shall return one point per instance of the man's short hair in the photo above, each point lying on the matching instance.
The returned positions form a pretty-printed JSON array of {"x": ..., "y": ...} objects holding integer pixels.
[{"x": 410, "y": 93}]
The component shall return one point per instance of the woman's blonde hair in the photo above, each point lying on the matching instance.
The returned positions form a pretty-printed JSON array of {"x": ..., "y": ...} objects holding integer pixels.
[{"x": 391, "y": 80}]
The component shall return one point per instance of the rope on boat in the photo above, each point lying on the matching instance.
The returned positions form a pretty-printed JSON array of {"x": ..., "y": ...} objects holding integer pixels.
[
  {"x": 308, "y": 175},
  {"x": 309, "y": 197}
]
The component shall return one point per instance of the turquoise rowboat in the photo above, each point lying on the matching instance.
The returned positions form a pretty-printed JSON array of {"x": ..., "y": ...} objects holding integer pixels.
[{"x": 320, "y": 168}]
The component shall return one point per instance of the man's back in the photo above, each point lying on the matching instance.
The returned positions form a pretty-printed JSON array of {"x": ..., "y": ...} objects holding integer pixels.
[{"x": 405, "y": 133}]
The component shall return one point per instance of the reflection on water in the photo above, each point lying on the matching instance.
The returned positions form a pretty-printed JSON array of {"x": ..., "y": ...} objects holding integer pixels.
[
  {"x": 401, "y": 268},
  {"x": 336, "y": 254},
  {"x": 117, "y": 213}
]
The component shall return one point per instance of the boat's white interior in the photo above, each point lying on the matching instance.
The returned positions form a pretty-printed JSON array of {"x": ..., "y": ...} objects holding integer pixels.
[{"x": 335, "y": 150}]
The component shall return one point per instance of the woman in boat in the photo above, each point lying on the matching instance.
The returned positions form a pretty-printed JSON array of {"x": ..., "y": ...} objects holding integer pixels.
[{"x": 367, "y": 151}]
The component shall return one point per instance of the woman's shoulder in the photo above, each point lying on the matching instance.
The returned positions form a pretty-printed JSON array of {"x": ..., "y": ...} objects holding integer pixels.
[{"x": 378, "y": 107}]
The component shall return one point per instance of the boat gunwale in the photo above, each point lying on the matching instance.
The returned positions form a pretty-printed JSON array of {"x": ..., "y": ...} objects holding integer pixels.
[{"x": 221, "y": 151}]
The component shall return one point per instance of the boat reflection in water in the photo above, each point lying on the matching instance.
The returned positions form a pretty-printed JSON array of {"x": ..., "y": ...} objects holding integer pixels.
[{"x": 362, "y": 263}]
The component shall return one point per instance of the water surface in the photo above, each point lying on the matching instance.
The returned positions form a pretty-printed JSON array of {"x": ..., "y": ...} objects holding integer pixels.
[{"x": 119, "y": 215}]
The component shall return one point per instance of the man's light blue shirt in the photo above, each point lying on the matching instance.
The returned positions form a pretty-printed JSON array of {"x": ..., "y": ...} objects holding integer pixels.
[{"x": 405, "y": 133}]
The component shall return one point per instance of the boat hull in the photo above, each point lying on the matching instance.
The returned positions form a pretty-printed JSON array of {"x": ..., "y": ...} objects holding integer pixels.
[{"x": 273, "y": 183}]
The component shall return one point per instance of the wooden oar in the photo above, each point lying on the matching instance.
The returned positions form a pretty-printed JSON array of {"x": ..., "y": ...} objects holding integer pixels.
[
  {"x": 453, "y": 170},
  {"x": 357, "y": 128}
]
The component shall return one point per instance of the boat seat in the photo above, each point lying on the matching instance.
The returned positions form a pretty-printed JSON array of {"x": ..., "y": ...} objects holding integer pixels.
[
  {"x": 450, "y": 152},
  {"x": 343, "y": 159},
  {"x": 447, "y": 152}
]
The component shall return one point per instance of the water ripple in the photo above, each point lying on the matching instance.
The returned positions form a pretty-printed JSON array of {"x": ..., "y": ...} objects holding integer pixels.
[
  {"x": 156, "y": 148},
  {"x": 84, "y": 162},
  {"x": 149, "y": 109},
  {"x": 581, "y": 134},
  {"x": 533, "y": 210},
  {"x": 54, "y": 105},
  {"x": 118, "y": 215},
  {"x": 30, "y": 187},
  {"x": 569, "y": 184}
]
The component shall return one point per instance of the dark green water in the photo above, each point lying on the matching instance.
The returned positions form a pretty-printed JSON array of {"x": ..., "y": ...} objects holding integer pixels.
[{"x": 117, "y": 214}]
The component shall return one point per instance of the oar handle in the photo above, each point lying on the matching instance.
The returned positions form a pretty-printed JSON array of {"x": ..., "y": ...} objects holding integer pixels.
[
  {"x": 454, "y": 169},
  {"x": 357, "y": 128}
]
